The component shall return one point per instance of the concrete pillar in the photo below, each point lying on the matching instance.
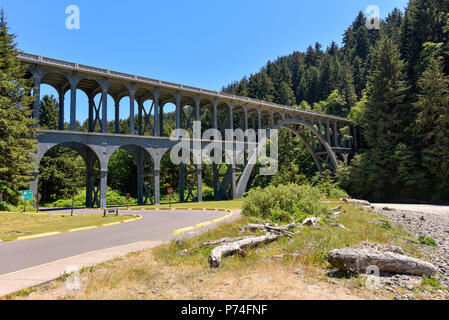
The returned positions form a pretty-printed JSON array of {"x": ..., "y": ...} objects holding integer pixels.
[
  {"x": 132, "y": 93},
  {"x": 231, "y": 117},
  {"x": 91, "y": 121},
  {"x": 117, "y": 115},
  {"x": 73, "y": 86},
  {"x": 328, "y": 133},
  {"x": 140, "y": 116},
  {"x": 104, "y": 105},
  {"x": 90, "y": 160},
  {"x": 157, "y": 186},
  {"x": 103, "y": 187},
  {"x": 215, "y": 115},
  {"x": 259, "y": 119},
  {"x": 178, "y": 111},
  {"x": 157, "y": 130},
  {"x": 335, "y": 134},
  {"x": 199, "y": 171},
  {"x": 61, "y": 109}
]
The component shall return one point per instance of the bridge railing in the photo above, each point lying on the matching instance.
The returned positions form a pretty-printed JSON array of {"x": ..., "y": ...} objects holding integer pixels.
[{"x": 108, "y": 73}]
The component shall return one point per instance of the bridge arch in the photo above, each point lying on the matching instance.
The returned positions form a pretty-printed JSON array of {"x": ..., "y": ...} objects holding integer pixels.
[
  {"x": 331, "y": 159},
  {"x": 92, "y": 162}
]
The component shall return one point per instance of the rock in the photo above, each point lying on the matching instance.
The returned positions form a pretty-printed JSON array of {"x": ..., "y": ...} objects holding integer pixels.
[
  {"x": 380, "y": 247},
  {"x": 388, "y": 209},
  {"x": 422, "y": 218},
  {"x": 180, "y": 243},
  {"x": 350, "y": 259},
  {"x": 297, "y": 271},
  {"x": 337, "y": 208},
  {"x": 311, "y": 221}
]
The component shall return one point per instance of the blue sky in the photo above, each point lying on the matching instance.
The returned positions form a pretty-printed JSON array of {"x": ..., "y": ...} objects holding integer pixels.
[{"x": 200, "y": 43}]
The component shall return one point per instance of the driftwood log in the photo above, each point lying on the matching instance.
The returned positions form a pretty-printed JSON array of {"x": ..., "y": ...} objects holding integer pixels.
[
  {"x": 270, "y": 228},
  {"x": 360, "y": 259},
  {"x": 237, "y": 247},
  {"x": 355, "y": 201}
]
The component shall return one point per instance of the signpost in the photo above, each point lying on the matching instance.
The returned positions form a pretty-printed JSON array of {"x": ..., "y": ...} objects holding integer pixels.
[{"x": 26, "y": 195}]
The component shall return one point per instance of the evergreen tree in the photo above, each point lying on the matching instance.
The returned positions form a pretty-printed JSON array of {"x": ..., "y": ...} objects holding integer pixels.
[
  {"x": 433, "y": 124},
  {"x": 49, "y": 113},
  {"x": 385, "y": 110},
  {"x": 16, "y": 125}
]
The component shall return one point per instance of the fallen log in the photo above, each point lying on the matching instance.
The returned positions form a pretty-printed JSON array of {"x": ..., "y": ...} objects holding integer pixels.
[
  {"x": 355, "y": 201},
  {"x": 267, "y": 227},
  {"x": 222, "y": 241},
  {"x": 349, "y": 259},
  {"x": 237, "y": 247}
]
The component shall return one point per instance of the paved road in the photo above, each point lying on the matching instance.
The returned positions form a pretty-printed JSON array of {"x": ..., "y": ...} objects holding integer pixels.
[
  {"x": 422, "y": 208},
  {"x": 154, "y": 225}
]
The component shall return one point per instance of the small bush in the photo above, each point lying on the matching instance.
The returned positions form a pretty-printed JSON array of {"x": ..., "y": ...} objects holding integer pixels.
[
  {"x": 284, "y": 203},
  {"x": 5, "y": 207},
  {"x": 428, "y": 241},
  {"x": 431, "y": 282}
]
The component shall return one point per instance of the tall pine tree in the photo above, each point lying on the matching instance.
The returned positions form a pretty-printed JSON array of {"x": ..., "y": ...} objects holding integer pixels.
[{"x": 16, "y": 125}]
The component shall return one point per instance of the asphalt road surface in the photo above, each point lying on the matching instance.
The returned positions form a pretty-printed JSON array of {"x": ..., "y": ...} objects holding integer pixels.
[{"x": 154, "y": 225}]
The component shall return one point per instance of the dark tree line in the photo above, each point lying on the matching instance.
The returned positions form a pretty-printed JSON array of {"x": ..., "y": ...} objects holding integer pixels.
[{"x": 393, "y": 82}]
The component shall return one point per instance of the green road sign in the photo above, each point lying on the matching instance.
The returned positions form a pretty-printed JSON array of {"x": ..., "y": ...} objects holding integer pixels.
[{"x": 27, "y": 195}]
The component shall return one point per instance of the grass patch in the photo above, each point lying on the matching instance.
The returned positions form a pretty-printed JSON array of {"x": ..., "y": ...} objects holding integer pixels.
[
  {"x": 428, "y": 241},
  {"x": 14, "y": 225},
  {"x": 311, "y": 244},
  {"x": 161, "y": 273},
  {"x": 230, "y": 204}
]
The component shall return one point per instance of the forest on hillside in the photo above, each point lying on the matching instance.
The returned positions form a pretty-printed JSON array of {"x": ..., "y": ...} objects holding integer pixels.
[{"x": 393, "y": 82}]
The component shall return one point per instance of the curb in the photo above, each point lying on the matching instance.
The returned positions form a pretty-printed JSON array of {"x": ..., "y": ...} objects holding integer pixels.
[
  {"x": 207, "y": 223},
  {"x": 48, "y": 234}
]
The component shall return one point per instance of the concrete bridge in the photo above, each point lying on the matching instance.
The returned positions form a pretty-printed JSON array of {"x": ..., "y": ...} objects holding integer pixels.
[{"x": 147, "y": 141}]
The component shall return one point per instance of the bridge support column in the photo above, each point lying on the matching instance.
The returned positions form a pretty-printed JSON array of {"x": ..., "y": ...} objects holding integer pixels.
[
  {"x": 139, "y": 119},
  {"x": 73, "y": 86},
  {"x": 215, "y": 115},
  {"x": 104, "y": 116},
  {"x": 157, "y": 186},
  {"x": 335, "y": 134},
  {"x": 328, "y": 134},
  {"x": 117, "y": 115},
  {"x": 199, "y": 181},
  {"x": 91, "y": 122},
  {"x": 132, "y": 93},
  {"x": 61, "y": 109},
  {"x": 90, "y": 161},
  {"x": 157, "y": 131},
  {"x": 103, "y": 187}
]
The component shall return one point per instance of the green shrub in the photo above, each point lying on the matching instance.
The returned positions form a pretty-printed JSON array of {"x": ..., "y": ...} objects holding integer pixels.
[
  {"x": 284, "y": 203},
  {"x": 5, "y": 207},
  {"x": 428, "y": 241},
  {"x": 328, "y": 185}
]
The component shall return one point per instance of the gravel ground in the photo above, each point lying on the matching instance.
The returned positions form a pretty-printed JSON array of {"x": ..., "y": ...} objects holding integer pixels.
[{"x": 427, "y": 221}]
